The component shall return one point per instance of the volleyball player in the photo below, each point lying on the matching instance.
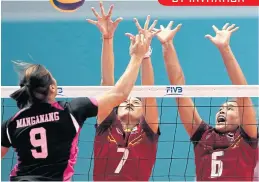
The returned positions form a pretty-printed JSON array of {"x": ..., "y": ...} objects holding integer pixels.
[
  {"x": 256, "y": 171},
  {"x": 44, "y": 133},
  {"x": 126, "y": 140},
  {"x": 228, "y": 151}
]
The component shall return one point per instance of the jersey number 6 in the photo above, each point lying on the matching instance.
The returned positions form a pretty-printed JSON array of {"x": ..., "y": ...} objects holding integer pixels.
[
  {"x": 216, "y": 165},
  {"x": 41, "y": 142},
  {"x": 123, "y": 159}
]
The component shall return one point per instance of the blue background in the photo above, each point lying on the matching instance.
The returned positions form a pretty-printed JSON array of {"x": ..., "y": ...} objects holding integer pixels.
[{"x": 72, "y": 50}]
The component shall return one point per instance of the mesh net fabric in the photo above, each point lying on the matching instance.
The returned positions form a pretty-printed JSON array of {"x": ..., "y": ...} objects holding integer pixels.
[{"x": 175, "y": 156}]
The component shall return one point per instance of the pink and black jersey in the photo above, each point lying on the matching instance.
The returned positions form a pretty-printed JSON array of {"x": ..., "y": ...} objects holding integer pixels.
[
  {"x": 45, "y": 137},
  {"x": 124, "y": 156},
  {"x": 224, "y": 157}
]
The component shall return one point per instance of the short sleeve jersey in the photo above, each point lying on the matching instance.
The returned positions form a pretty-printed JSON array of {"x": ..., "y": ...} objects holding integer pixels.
[
  {"x": 45, "y": 138},
  {"x": 223, "y": 157},
  {"x": 121, "y": 155}
]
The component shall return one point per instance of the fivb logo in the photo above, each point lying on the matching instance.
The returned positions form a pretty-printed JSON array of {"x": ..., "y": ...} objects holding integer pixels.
[
  {"x": 171, "y": 90},
  {"x": 60, "y": 91}
]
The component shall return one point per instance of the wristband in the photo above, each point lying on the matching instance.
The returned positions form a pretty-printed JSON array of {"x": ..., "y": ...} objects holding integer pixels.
[{"x": 149, "y": 52}]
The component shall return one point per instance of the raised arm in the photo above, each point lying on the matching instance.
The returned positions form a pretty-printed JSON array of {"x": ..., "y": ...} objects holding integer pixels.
[
  {"x": 5, "y": 141},
  {"x": 149, "y": 104},
  {"x": 188, "y": 112},
  {"x": 147, "y": 76},
  {"x": 245, "y": 106},
  {"x": 123, "y": 87},
  {"x": 107, "y": 27}
]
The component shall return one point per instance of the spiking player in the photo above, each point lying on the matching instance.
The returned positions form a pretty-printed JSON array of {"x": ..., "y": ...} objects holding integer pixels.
[
  {"x": 126, "y": 140},
  {"x": 228, "y": 151},
  {"x": 44, "y": 133}
]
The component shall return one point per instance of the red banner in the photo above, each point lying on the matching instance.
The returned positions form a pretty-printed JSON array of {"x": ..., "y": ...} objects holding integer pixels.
[{"x": 209, "y": 2}]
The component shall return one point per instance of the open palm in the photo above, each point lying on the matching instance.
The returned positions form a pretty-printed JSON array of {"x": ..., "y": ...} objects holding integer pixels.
[
  {"x": 222, "y": 37},
  {"x": 104, "y": 22},
  {"x": 167, "y": 34},
  {"x": 147, "y": 31}
]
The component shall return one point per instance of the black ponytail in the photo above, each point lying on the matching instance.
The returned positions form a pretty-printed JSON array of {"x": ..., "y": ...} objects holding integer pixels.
[
  {"x": 21, "y": 97},
  {"x": 34, "y": 86}
]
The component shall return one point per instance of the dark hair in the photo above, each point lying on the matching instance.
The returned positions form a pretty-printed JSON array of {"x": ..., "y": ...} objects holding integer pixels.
[{"x": 34, "y": 86}]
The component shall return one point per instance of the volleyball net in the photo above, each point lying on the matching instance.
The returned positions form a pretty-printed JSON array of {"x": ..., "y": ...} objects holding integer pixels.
[{"x": 175, "y": 157}]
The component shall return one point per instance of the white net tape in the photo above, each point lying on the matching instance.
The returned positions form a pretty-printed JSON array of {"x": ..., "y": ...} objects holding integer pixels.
[{"x": 155, "y": 91}]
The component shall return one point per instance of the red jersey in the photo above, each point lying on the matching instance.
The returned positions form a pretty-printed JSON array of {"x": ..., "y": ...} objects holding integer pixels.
[
  {"x": 224, "y": 157},
  {"x": 124, "y": 156}
]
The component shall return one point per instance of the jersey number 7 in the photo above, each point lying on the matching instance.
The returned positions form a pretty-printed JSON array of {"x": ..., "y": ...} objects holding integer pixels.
[
  {"x": 41, "y": 142},
  {"x": 123, "y": 159}
]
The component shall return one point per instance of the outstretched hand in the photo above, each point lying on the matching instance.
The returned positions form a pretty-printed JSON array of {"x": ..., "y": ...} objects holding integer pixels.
[
  {"x": 139, "y": 45},
  {"x": 167, "y": 34},
  {"x": 104, "y": 22},
  {"x": 222, "y": 37},
  {"x": 148, "y": 33}
]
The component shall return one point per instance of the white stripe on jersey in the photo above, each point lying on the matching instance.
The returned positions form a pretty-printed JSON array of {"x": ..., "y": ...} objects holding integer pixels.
[
  {"x": 75, "y": 123},
  {"x": 8, "y": 136}
]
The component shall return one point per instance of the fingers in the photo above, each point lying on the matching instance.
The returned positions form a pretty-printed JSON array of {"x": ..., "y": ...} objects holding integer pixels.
[
  {"x": 225, "y": 26},
  {"x": 155, "y": 29},
  {"x": 137, "y": 24},
  {"x": 162, "y": 27},
  {"x": 235, "y": 29},
  {"x": 137, "y": 39},
  {"x": 117, "y": 21},
  {"x": 170, "y": 24},
  {"x": 110, "y": 11},
  {"x": 102, "y": 9},
  {"x": 95, "y": 13},
  {"x": 91, "y": 21},
  {"x": 215, "y": 28},
  {"x": 230, "y": 28},
  {"x": 147, "y": 22},
  {"x": 131, "y": 36},
  {"x": 148, "y": 40},
  {"x": 153, "y": 25},
  {"x": 178, "y": 27},
  {"x": 142, "y": 39},
  {"x": 209, "y": 37},
  {"x": 155, "y": 32}
]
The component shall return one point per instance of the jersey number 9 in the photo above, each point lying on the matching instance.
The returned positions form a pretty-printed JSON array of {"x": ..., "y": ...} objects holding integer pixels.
[{"x": 41, "y": 142}]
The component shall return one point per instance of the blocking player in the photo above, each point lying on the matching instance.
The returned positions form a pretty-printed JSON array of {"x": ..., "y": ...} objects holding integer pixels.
[
  {"x": 256, "y": 172},
  {"x": 126, "y": 140},
  {"x": 228, "y": 151},
  {"x": 44, "y": 133}
]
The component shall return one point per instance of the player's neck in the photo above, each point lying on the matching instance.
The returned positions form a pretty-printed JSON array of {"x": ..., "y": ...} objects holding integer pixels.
[
  {"x": 128, "y": 125},
  {"x": 51, "y": 101}
]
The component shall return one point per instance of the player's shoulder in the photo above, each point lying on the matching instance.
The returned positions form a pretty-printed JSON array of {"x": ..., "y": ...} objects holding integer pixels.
[
  {"x": 253, "y": 142},
  {"x": 20, "y": 113},
  {"x": 111, "y": 121},
  {"x": 149, "y": 133},
  {"x": 202, "y": 133}
]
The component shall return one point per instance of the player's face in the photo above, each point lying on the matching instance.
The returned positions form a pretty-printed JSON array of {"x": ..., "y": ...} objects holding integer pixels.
[
  {"x": 130, "y": 109},
  {"x": 53, "y": 89},
  {"x": 227, "y": 118}
]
